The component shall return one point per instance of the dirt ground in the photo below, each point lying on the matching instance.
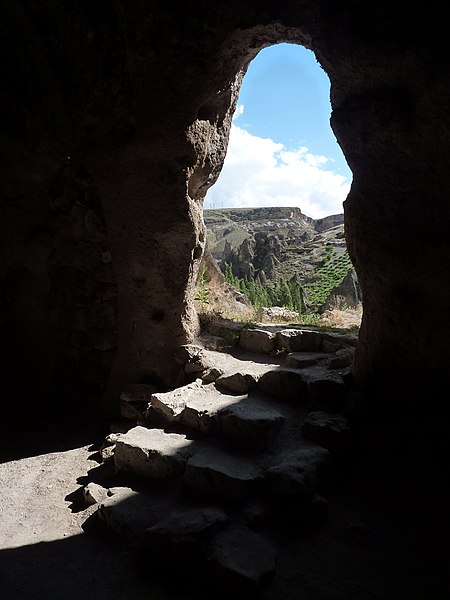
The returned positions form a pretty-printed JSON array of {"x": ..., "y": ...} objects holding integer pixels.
[{"x": 380, "y": 543}]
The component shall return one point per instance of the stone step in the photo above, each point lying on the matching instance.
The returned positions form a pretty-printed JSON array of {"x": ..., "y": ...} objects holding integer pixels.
[
  {"x": 219, "y": 472},
  {"x": 242, "y": 561},
  {"x": 251, "y": 424},
  {"x": 328, "y": 430},
  {"x": 128, "y": 513},
  {"x": 298, "y": 473},
  {"x": 152, "y": 453},
  {"x": 195, "y": 406},
  {"x": 182, "y": 539}
]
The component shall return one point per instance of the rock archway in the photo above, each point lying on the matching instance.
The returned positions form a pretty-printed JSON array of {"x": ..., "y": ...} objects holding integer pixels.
[{"x": 115, "y": 122}]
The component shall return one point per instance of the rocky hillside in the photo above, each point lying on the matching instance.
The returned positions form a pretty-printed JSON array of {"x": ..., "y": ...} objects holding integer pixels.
[{"x": 279, "y": 243}]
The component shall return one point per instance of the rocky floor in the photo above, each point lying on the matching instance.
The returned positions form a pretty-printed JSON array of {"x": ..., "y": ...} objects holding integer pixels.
[{"x": 243, "y": 481}]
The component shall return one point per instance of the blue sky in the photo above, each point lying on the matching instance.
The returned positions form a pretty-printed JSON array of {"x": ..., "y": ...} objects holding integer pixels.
[{"x": 282, "y": 151}]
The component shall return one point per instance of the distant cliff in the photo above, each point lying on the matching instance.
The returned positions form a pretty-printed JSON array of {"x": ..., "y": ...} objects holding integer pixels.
[{"x": 271, "y": 243}]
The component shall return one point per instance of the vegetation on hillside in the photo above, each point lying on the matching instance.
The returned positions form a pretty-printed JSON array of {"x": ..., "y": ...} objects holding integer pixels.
[{"x": 316, "y": 289}]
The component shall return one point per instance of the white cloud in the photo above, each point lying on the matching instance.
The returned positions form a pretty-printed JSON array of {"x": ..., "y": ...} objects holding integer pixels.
[{"x": 261, "y": 172}]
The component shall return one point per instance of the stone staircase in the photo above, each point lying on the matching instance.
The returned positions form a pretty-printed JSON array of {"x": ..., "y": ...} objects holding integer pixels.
[{"x": 246, "y": 445}]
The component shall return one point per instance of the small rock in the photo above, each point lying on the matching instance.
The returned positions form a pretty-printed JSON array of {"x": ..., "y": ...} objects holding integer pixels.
[
  {"x": 152, "y": 452},
  {"x": 94, "y": 494},
  {"x": 107, "y": 453},
  {"x": 243, "y": 561}
]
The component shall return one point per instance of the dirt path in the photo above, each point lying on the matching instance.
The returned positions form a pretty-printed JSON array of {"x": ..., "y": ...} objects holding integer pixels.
[
  {"x": 44, "y": 552},
  {"x": 377, "y": 545}
]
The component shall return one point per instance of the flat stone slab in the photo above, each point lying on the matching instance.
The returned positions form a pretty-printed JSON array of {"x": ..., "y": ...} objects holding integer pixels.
[
  {"x": 221, "y": 473},
  {"x": 194, "y": 406},
  {"x": 257, "y": 341},
  {"x": 332, "y": 342},
  {"x": 285, "y": 384},
  {"x": 152, "y": 453},
  {"x": 182, "y": 537},
  {"x": 251, "y": 425},
  {"x": 301, "y": 360},
  {"x": 328, "y": 430},
  {"x": 298, "y": 340},
  {"x": 327, "y": 391},
  {"x": 128, "y": 513},
  {"x": 243, "y": 561},
  {"x": 298, "y": 473}
]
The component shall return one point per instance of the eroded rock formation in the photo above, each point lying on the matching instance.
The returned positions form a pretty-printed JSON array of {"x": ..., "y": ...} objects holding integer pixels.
[{"x": 115, "y": 119}]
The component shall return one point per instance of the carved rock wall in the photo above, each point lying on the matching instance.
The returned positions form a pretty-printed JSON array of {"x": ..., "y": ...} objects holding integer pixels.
[{"x": 100, "y": 251}]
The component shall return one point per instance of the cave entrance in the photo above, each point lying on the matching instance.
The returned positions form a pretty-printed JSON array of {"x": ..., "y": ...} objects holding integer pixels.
[{"x": 275, "y": 216}]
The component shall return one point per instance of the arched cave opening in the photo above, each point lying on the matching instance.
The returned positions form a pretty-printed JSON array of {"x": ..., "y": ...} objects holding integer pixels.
[{"x": 287, "y": 178}]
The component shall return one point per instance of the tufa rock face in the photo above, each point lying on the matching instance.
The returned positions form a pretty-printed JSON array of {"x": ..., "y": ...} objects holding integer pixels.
[{"x": 114, "y": 124}]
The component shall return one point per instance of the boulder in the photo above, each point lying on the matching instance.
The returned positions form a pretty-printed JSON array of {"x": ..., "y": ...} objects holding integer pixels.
[{"x": 94, "y": 493}]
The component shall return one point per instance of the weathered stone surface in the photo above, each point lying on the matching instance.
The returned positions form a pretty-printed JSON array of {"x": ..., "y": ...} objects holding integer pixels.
[
  {"x": 107, "y": 453},
  {"x": 257, "y": 340},
  {"x": 298, "y": 473},
  {"x": 328, "y": 430},
  {"x": 331, "y": 342},
  {"x": 286, "y": 384},
  {"x": 301, "y": 360},
  {"x": 128, "y": 513},
  {"x": 195, "y": 406},
  {"x": 79, "y": 252},
  {"x": 243, "y": 560},
  {"x": 182, "y": 537},
  {"x": 276, "y": 314},
  {"x": 152, "y": 453},
  {"x": 298, "y": 340},
  {"x": 328, "y": 392},
  {"x": 343, "y": 358},
  {"x": 238, "y": 383},
  {"x": 94, "y": 493},
  {"x": 251, "y": 425},
  {"x": 221, "y": 473},
  {"x": 134, "y": 400}
]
